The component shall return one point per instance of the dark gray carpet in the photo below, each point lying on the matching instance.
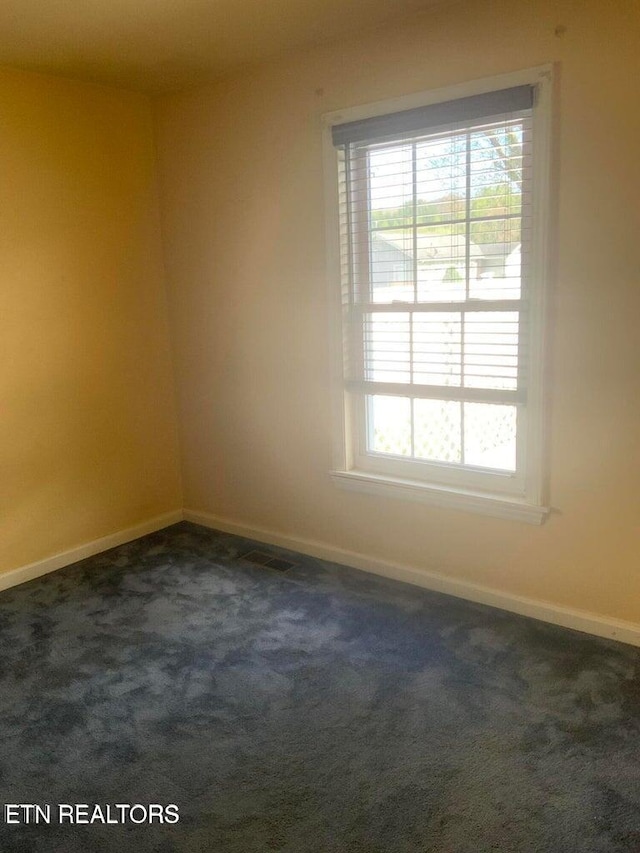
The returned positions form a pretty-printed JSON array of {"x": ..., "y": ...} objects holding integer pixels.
[{"x": 321, "y": 711}]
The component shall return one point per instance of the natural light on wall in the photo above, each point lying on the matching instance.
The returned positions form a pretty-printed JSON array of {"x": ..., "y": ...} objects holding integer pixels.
[{"x": 438, "y": 261}]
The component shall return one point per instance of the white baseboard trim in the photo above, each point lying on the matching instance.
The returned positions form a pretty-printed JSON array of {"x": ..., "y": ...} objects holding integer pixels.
[
  {"x": 81, "y": 552},
  {"x": 567, "y": 617}
]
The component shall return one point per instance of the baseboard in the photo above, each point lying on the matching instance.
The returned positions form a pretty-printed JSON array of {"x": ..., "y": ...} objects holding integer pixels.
[
  {"x": 88, "y": 549},
  {"x": 578, "y": 620}
]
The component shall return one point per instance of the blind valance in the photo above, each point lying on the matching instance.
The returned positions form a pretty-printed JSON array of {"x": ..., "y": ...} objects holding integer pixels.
[{"x": 433, "y": 116}]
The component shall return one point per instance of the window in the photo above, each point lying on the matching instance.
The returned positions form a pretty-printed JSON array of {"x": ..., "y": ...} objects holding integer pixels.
[{"x": 437, "y": 221}]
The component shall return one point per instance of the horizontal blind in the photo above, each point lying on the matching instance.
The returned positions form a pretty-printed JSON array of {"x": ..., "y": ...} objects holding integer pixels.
[{"x": 435, "y": 243}]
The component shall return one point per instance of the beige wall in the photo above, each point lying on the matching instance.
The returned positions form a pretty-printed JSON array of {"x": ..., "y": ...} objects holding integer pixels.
[
  {"x": 87, "y": 419},
  {"x": 243, "y": 201}
]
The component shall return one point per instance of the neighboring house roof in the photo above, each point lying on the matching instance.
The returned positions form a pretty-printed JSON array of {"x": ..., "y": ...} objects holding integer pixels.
[
  {"x": 431, "y": 248},
  {"x": 501, "y": 250},
  {"x": 442, "y": 247}
]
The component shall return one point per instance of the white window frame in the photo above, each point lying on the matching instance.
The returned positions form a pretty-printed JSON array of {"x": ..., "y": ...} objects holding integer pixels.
[{"x": 496, "y": 495}]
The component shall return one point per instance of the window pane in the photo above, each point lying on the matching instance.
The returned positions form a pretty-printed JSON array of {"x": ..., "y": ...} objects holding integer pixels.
[
  {"x": 490, "y": 436},
  {"x": 491, "y": 350},
  {"x": 496, "y": 169},
  {"x": 437, "y": 433},
  {"x": 389, "y": 425},
  {"x": 387, "y": 350},
  {"x": 442, "y": 262},
  {"x": 495, "y": 208},
  {"x": 437, "y": 348},
  {"x": 391, "y": 263},
  {"x": 496, "y": 272},
  {"x": 441, "y": 179},
  {"x": 391, "y": 186}
]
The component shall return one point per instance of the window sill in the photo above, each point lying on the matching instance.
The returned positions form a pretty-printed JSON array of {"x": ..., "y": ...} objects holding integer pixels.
[{"x": 499, "y": 507}]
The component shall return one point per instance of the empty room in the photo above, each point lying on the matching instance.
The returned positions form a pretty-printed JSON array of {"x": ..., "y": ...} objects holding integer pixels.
[{"x": 319, "y": 434}]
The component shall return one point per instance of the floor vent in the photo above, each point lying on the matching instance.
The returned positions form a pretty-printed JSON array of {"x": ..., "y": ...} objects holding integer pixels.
[{"x": 260, "y": 558}]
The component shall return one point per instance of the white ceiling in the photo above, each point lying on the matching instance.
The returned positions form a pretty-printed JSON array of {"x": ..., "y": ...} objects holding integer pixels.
[{"x": 158, "y": 45}]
